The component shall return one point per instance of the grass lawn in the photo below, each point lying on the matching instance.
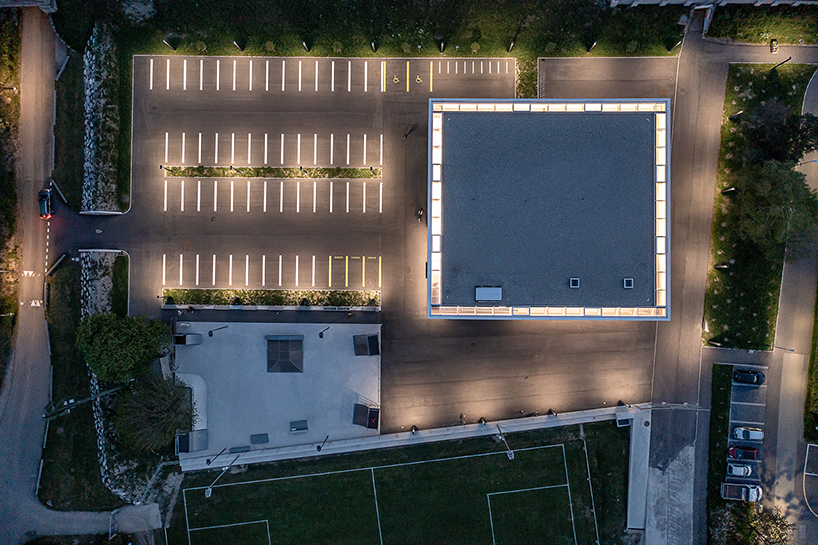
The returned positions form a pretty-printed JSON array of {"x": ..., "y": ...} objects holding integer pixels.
[
  {"x": 119, "y": 291},
  {"x": 741, "y": 303},
  {"x": 811, "y": 400},
  {"x": 69, "y": 133},
  {"x": 70, "y": 479},
  {"x": 453, "y": 492},
  {"x": 787, "y": 24}
]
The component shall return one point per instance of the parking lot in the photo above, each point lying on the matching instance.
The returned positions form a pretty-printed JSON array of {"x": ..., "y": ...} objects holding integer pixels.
[{"x": 747, "y": 405}]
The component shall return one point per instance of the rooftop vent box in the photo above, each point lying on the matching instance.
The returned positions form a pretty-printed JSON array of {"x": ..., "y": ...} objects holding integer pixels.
[
  {"x": 488, "y": 294},
  {"x": 574, "y": 283},
  {"x": 628, "y": 283}
]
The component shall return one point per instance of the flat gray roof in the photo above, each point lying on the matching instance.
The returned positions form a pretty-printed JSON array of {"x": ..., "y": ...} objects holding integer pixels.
[{"x": 534, "y": 200}]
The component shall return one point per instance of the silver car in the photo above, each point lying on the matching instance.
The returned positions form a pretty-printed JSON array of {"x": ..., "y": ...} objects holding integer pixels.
[
  {"x": 748, "y": 434},
  {"x": 739, "y": 470}
]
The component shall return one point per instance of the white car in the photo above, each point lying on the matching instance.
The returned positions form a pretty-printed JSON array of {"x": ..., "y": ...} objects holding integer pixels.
[
  {"x": 739, "y": 470},
  {"x": 748, "y": 434}
]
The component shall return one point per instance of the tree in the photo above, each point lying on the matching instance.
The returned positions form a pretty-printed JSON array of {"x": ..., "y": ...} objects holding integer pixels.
[
  {"x": 117, "y": 348},
  {"x": 148, "y": 416},
  {"x": 774, "y": 205},
  {"x": 775, "y": 133},
  {"x": 771, "y": 527}
]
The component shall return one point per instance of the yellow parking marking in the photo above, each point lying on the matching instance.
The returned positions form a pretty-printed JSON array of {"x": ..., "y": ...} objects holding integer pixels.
[
  {"x": 346, "y": 271},
  {"x": 407, "y": 76},
  {"x": 383, "y": 76}
]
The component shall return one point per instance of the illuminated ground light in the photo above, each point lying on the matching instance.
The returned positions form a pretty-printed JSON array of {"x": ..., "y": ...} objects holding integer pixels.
[{"x": 549, "y": 209}]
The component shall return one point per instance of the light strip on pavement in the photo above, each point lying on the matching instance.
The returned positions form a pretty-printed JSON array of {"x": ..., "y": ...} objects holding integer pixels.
[{"x": 151, "y": 78}]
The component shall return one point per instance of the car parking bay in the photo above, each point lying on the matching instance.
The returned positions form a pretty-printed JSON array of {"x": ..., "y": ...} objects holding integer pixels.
[{"x": 747, "y": 406}]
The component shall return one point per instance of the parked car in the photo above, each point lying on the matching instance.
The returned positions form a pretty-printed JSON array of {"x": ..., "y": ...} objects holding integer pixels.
[
  {"x": 741, "y": 492},
  {"x": 773, "y": 46},
  {"x": 739, "y": 470},
  {"x": 743, "y": 453},
  {"x": 748, "y": 377},
  {"x": 44, "y": 203},
  {"x": 748, "y": 434}
]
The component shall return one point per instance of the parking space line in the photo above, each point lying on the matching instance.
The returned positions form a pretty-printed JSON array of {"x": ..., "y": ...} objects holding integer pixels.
[
  {"x": 218, "y": 72},
  {"x": 296, "y": 271},
  {"x": 267, "y": 77},
  {"x": 331, "y": 188},
  {"x": 314, "y": 195},
  {"x": 216, "y": 152},
  {"x": 364, "y": 198},
  {"x": 183, "y": 148},
  {"x": 506, "y": 67},
  {"x": 279, "y": 270},
  {"x": 265, "y": 148},
  {"x": 330, "y": 272},
  {"x": 407, "y": 76},
  {"x": 234, "y": 75},
  {"x": 332, "y": 84},
  {"x": 313, "y": 271},
  {"x": 347, "y": 150},
  {"x": 316, "y": 76},
  {"x": 232, "y": 191},
  {"x": 263, "y": 270},
  {"x": 283, "y": 65},
  {"x": 349, "y": 76},
  {"x": 363, "y": 271},
  {"x": 379, "y": 271},
  {"x": 200, "y": 148},
  {"x": 481, "y": 67},
  {"x": 246, "y": 270},
  {"x": 456, "y": 64},
  {"x": 380, "y": 199},
  {"x": 282, "y": 148},
  {"x": 249, "y": 139},
  {"x": 366, "y": 76},
  {"x": 364, "y": 149},
  {"x": 298, "y": 197},
  {"x": 383, "y": 76},
  {"x": 746, "y": 422},
  {"x": 232, "y": 149},
  {"x": 314, "y": 149},
  {"x": 197, "y": 269},
  {"x": 199, "y": 197},
  {"x": 281, "y": 199},
  {"x": 472, "y": 67},
  {"x": 447, "y": 67},
  {"x": 181, "y": 261},
  {"x": 184, "y": 75},
  {"x": 215, "y": 194},
  {"x": 167, "y": 76},
  {"x": 183, "y": 195},
  {"x": 298, "y": 151},
  {"x": 166, "y": 147},
  {"x": 346, "y": 271},
  {"x": 380, "y": 160},
  {"x": 431, "y": 76},
  {"x": 164, "y": 264},
  {"x": 166, "y": 195},
  {"x": 248, "y": 195},
  {"x": 230, "y": 271},
  {"x": 214, "y": 269},
  {"x": 489, "y": 67},
  {"x": 299, "y": 76},
  {"x": 749, "y": 403},
  {"x": 438, "y": 67},
  {"x": 264, "y": 202},
  {"x": 251, "y": 75},
  {"x": 347, "y": 200},
  {"x": 151, "y": 79},
  {"x": 201, "y": 74}
]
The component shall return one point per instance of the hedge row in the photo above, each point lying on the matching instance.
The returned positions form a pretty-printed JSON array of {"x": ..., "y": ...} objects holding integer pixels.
[{"x": 325, "y": 298}]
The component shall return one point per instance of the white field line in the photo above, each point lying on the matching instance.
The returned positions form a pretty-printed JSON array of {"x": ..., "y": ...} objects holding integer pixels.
[
  {"x": 387, "y": 466},
  {"x": 588, "y": 468},
  {"x": 375, "y": 491},
  {"x": 526, "y": 489},
  {"x": 568, "y": 483},
  {"x": 491, "y": 520},
  {"x": 187, "y": 520},
  {"x": 228, "y": 525}
]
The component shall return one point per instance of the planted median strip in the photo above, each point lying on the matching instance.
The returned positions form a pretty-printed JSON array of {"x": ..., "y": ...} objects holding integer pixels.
[
  {"x": 271, "y": 172},
  {"x": 307, "y": 298}
]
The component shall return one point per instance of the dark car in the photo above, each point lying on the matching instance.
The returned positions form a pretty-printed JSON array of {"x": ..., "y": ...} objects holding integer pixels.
[
  {"x": 44, "y": 202},
  {"x": 743, "y": 453},
  {"x": 748, "y": 377}
]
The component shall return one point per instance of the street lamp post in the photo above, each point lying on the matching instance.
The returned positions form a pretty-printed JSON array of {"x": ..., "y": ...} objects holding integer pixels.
[
  {"x": 209, "y": 489},
  {"x": 319, "y": 447},
  {"x": 210, "y": 333}
]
